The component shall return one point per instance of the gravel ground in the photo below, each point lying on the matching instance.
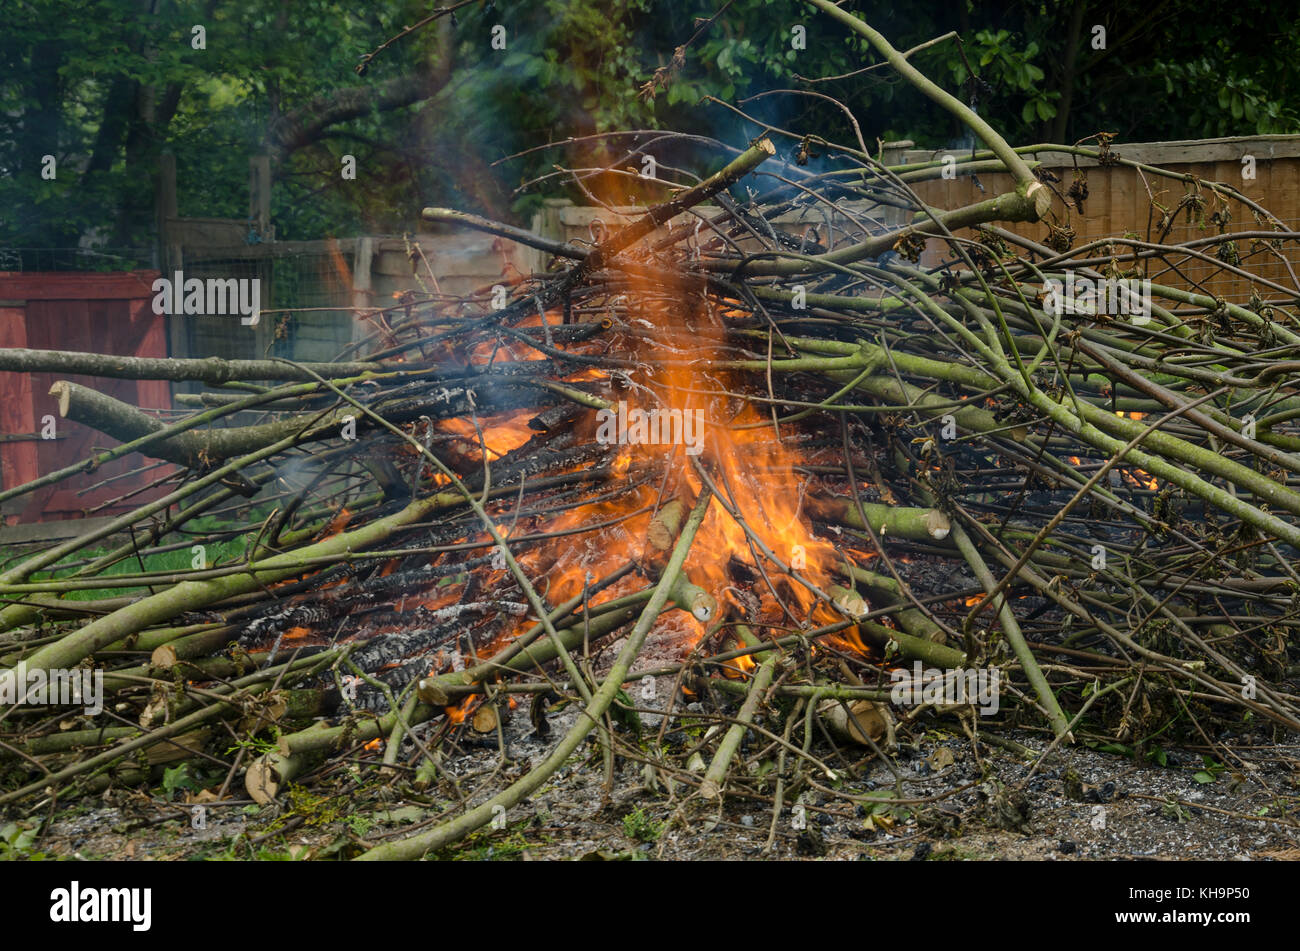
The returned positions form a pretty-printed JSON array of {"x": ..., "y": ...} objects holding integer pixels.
[{"x": 1081, "y": 804}]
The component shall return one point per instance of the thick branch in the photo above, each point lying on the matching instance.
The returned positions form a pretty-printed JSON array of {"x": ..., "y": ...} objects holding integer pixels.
[
  {"x": 301, "y": 127},
  {"x": 197, "y": 449},
  {"x": 212, "y": 370}
]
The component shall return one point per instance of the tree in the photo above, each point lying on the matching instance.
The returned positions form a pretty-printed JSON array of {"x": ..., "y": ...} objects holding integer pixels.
[{"x": 104, "y": 86}]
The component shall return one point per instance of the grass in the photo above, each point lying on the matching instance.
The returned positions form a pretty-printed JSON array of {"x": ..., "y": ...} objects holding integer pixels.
[{"x": 181, "y": 560}]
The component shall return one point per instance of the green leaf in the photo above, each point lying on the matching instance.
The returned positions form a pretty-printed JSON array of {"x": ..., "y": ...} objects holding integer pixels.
[
  {"x": 1045, "y": 109},
  {"x": 1027, "y": 113},
  {"x": 176, "y": 777},
  {"x": 1201, "y": 776},
  {"x": 620, "y": 713},
  {"x": 1118, "y": 748}
]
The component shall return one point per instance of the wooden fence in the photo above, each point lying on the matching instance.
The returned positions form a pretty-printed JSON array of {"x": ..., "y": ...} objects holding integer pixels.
[
  {"x": 1123, "y": 200},
  {"x": 100, "y": 313}
]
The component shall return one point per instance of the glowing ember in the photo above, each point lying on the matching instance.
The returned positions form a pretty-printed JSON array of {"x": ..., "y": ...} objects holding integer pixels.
[{"x": 501, "y": 433}]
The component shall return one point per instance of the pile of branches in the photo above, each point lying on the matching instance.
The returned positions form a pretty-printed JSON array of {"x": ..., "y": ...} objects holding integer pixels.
[{"x": 1103, "y": 508}]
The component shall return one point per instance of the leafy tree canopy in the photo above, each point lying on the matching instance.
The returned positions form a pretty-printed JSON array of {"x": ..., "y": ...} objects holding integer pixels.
[{"x": 105, "y": 86}]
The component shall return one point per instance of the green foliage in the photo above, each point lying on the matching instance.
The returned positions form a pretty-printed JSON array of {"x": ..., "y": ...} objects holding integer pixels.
[
  {"x": 1116, "y": 749},
  {"x": 1211, "y": 771},
  {"x": 255, "y": 746},
  {"x": 178, "y": 777},
  {"x": 883, "y": 814},
  {"x": 623, "y": 712},
  {"x": 1009, "y": 69},
  {"x": 106, "y": 90},
  {"x": 16, "y": 840},
  {"x": 1220, "y": 104},
  {"x": 639, "y": 825}
]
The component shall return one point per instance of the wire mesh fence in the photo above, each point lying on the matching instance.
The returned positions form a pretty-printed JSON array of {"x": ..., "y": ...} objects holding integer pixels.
[{"x": 305, "y": 297}]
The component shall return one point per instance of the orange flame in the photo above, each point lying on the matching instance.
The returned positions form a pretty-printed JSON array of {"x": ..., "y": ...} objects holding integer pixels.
[
  {"x": 754, "y": 467},
  {"x": 459, "y": 712},
  {"x": 338, "y": 523}
]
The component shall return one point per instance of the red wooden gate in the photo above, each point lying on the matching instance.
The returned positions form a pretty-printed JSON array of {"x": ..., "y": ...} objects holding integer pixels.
[{"x": 96, "y": 313}]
